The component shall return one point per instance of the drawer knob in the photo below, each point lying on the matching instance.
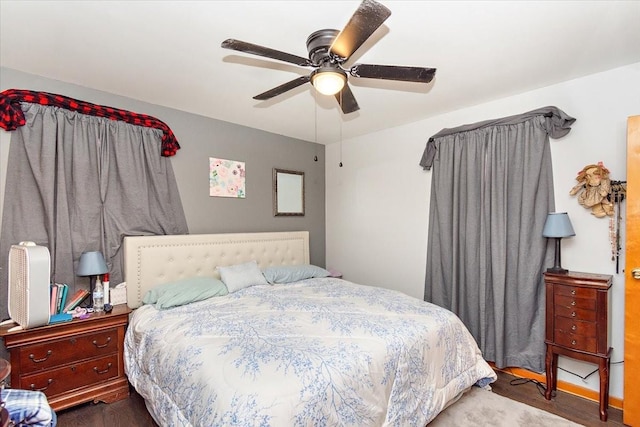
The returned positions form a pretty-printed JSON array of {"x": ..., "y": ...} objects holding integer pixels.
[
  {"x": 573, "y": 342},
  {"x": 573, "y": 314},
  {"x": 573, "y": 327},
  {"x": 102, "y": 372},
  {"x": 573, "y": 303},
  {"x": 33, "y": 386},
  {"x": 33, "y": 357},
  {"x": 573, "y": 291},
  {"x": 95, "y": 342}
]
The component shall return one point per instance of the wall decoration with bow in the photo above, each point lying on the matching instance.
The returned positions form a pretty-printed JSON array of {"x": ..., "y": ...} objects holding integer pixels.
[
  {"x": 603, "y": 197},
  {"x": 593, "y": 189}
]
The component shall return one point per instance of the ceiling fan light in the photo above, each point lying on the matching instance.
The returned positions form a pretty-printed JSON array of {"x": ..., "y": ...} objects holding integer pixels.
[{"x": 328, "y": 82}]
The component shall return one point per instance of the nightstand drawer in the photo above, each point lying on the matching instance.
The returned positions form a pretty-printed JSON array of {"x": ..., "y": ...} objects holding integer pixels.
[
  {"x": 575, "y": 313},
  {"x": 37, "y": 357},
  {"x": 576, "y": 342},
  {"x": 573, "y": 326},
  {"x": 70, "y": 377},
  {"x": 570, "y": 301}
]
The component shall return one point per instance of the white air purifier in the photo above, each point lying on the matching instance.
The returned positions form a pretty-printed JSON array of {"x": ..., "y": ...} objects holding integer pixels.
[{"x": 29, "y": 278}]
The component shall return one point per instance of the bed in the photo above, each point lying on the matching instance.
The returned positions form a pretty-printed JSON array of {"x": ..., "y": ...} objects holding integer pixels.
[{"x": 321, "y": 351}]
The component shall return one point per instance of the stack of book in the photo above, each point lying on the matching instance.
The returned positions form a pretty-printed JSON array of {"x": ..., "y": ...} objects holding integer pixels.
[
  {"x": 58, "y": 297},
  {"x": 60, "y": 302},
  {"x": 76, "y": 299}
]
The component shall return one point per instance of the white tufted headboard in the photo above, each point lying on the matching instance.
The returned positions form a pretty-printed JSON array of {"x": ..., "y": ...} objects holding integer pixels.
[{"x": 152, "y": 260}]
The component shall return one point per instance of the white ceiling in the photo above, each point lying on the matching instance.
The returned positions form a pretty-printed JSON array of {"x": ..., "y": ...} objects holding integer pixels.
[{"x": 168, "y": 53}]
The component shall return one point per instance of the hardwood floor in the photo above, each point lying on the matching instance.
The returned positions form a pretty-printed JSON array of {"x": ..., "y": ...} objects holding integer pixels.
[
  {"x": 132, "y": 411},
  {"x": 574, "y": 408}
]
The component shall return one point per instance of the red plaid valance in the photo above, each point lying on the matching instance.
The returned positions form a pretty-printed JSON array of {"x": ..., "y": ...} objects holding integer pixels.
[{"x": 12, "y": 117}]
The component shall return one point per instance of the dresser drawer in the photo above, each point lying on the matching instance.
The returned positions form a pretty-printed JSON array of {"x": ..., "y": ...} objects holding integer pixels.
[
  {"x": 575, "y": 291},
  {"x": 70, "y": 377},
  {"x": 37, "y": 357},
  {"x": 576, "y": 313},
  {"x": 572, "y": 326},
  {"x": 570, "y": 301},
  {"x": 576, "y": 342}
]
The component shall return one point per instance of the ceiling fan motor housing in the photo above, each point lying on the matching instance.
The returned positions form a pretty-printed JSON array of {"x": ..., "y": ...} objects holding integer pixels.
[{"x": 318, "y": 44}]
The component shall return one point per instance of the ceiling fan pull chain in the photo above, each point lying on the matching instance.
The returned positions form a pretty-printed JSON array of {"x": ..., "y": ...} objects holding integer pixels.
[
  {"x": 340, "y": 121},
  {"x": 315, "y": 124}
]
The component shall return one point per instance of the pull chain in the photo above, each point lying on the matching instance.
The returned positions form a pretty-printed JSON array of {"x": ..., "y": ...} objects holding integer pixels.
[
  {"x": 315, "y": 123},
  {"x": 340, "y": 127}
]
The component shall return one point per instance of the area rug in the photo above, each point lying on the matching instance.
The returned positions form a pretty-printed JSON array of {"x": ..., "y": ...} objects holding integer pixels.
[{"x": 482, "y": 408}]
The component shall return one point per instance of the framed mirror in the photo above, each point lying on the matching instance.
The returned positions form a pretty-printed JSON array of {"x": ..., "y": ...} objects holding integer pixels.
[{"x": 288, "y": 193}]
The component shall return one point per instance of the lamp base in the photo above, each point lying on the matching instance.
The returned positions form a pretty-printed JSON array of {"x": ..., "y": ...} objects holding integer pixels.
[
  {"x": 92, "y": 286},
  {"x": 557, "y": 270}
]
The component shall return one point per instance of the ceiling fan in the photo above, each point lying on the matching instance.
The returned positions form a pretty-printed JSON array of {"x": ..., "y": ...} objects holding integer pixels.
[{"x": 329, "y": 50}]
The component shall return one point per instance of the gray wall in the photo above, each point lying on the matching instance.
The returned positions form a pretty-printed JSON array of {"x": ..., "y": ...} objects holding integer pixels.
[{"x": 201, "y": 138}]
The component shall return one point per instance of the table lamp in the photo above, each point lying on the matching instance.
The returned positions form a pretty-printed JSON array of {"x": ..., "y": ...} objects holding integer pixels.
[
  {"x": 556, "y": 227},
  {"x": 91, "y": 264}
]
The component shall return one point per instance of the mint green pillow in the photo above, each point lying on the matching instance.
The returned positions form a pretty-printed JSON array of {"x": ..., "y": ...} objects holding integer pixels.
[
  {"x": 293, "y": 273},
  {"x": 184, "y": 291}
]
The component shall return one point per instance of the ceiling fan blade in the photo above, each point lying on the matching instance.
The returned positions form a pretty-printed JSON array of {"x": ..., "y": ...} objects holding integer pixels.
[
  {"x": 367, "y": 18},
  {"x": 393, "y": 72},
  {"x": 346, "y": 100},
  {"x": 255, "y": 49},
  {"x": 282, "y": 88}
]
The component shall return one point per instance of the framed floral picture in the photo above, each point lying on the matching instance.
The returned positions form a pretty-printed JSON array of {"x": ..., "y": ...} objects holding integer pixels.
[{"x": 226, "y": 178}]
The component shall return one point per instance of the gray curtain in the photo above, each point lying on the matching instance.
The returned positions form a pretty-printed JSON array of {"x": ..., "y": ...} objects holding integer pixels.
[
  {"x": 492, "y": 187},
  {"x": 79, "y": 183}
]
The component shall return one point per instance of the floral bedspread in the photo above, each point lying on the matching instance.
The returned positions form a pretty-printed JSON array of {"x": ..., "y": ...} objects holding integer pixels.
[{"x": 319, "y": 352}]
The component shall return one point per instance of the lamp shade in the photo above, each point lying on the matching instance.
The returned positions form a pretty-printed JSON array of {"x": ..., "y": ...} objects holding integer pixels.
[
  {"x": 558, "y": 225},
  {"x": 91, "y": 264}
]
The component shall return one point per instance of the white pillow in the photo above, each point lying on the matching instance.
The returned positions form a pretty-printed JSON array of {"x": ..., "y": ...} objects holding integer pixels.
[{"x": 241, "y": 276}]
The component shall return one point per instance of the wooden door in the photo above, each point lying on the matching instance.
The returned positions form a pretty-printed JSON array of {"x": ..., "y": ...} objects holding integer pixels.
[{"x": 631, "y": 414}]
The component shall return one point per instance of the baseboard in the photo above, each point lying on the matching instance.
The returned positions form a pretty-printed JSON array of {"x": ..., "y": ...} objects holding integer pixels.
[{"x": 570, "y": 388}]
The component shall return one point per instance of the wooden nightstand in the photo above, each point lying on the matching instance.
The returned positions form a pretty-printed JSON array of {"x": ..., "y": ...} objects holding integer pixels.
[
  {"x": 577, "y": 325},
  {"x": 72, "y": 362}
]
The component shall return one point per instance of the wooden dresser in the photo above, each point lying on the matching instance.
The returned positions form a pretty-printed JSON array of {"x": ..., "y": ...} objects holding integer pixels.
[
  {"x": 72, "y": 362},
  {"x": 577, "y": 325}
]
